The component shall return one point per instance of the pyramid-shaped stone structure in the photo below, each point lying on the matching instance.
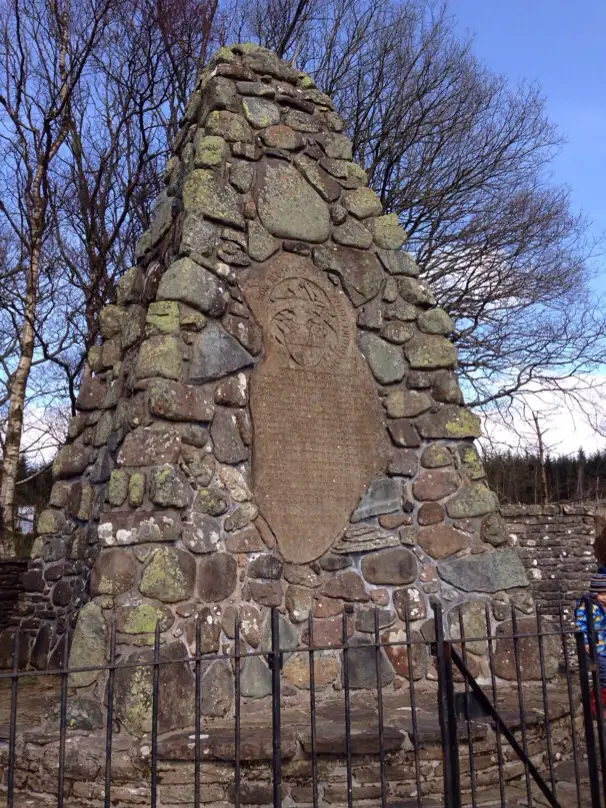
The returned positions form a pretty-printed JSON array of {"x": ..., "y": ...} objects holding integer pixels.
[{"x": 272, "y": 417}]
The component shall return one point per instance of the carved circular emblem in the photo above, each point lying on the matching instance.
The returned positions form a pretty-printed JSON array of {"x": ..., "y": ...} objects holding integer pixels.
[{"x": 303, "y": 322}]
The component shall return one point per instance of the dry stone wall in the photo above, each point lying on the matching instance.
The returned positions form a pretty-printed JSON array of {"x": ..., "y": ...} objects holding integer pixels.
[
  {"x": 272, "y": 417},
  {"x": 557, "y": 546}
]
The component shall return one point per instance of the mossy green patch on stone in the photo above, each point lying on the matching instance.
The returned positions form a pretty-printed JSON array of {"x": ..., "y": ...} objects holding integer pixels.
[
  {"x": 50, "y": 521},
  {"x": 228, "y": 125},
  {"x": 169, "y": 575},
  {"x": 141, "y": 618},
  {"x": 118, "y": 487},
  {"x": 94, "y": 358},
  {"x": 163, "y": 316},
  {"x": 362, "y": 202},
  {"x": 211, "y": 502},
  {"x": 260, "y": 112},
  {"x": 160, "y": 356},
  {"x": 449, "y": 421},
  {"x": 387, "y": 232},
  {"x": 436, "y": 321},
  {"x": 470, "y": 460},
  {"x": 210, "y": 151},
  {"x": 206, "y": 194},
  {"x": 428, "y": 351},
  {"x": 471, "y": 500},
  {"x": 88, "y": 645}
]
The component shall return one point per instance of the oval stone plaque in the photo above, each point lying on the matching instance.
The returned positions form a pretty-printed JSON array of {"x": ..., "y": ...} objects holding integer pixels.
[{"x": 318, "y": 436}]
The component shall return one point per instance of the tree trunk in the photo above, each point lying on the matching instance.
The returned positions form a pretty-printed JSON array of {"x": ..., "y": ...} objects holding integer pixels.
[{"x": 14, "y": 425}]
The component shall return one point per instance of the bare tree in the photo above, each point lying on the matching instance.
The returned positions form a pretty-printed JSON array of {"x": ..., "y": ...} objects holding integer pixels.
[{"x": 44, "y": 48}]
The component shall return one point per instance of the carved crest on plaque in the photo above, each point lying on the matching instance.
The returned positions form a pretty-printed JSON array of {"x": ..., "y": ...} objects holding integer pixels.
[{"x": 318, "y": 436}]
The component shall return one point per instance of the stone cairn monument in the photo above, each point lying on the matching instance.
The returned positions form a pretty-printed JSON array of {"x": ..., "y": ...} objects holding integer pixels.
[{"x": 272, "y": 418}]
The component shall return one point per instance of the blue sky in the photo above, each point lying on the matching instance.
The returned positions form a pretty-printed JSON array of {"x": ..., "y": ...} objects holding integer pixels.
[{"x": 561, "y": 44}]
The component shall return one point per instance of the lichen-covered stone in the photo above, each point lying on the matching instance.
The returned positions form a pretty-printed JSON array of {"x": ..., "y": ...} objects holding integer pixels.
[
  {"x": 386, "y": 361},
  {"x": 325, "y": 185},
  {"x": 163, "y": 316},
  {"x": 410, "y": 599},
  {"x": 130, "y": 286},
  {"x": 493, "y": 530},
  {"x": 449, "y": 421},
  {"x": 281, "y": 137},
  {"x": 211, "y": 151},
  {"x": 71, "y": 460},
  {"x": 425, "y": 352},
  {"x": 51, "y": 521},
  {"x": 227, "y": 440},
  {"x": 289, "y": 207},
  {"x": 470, "y": 461},
  {"x": 338, "y": 147},
  {"x": 260, "y": 113},
  {"x": 146, "y": 446},
  {"x": 352, "y": 234},
  {"x": 416, "y": 292},
  {"x": 169, "y": 575},
  {"x": 397, "y": 262},
  {"x": 179, "y": 402},
  {"x": 359, "y": 270},
  {"x": 362, "y": 202},
  {"x": 436, "y": 456},
  {"x": 198, "y": 236},
  {"x": 118, "y": 487},
  {"x": 187, "y": 281},
  {"x": 211, "y": 502},
  {"x": 88, "y": 646},
  {"x": 137, "y": 617},
  {"x": 265, "y": 566},
  {"x": 136, "y": 489},
  {"x": 169, "y": 488},
  {"x": 215, "y": 354},
  {"x": 206, "y": 194},
  {"x": 387, "y": 232},
  {"x": 397, "y": 332},
  {"x": 406, "y": 403},
  {"x": 241, "y": 176},
  {"x": 160, "y": 356},
  {"x": 228, "y": 125},
  {"x": 110, "y": 321},
  {"x": 261, "y": 245},
  {"x": 202, "y": 533},
  {"x": 435, "y": 321},
  {"x": 472, "y": 500}
]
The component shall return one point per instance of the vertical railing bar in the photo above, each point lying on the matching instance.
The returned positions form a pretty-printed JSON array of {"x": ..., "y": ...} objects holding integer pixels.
[
  {"x": 448, "y": 753},
  {"x": 573, "y": 729},
  {"x": 380, "y": 706},
  {"x": 592, "y": 764},
  {"x": 237, "y": 697},
  {"x": 347, "y": 711},
  {"x": 12, "y": 733},
  {"x": 197, "y": 712},
  {"x": 516, "y": 651},
  {"x": 155, "y": 697},
  {"x": 545, "y": 699},
  {"x": 472, "y": 765},
  {"x": 597, "y": 689},
  {"x": 312, "y": 710},
  {"x": 109, "y": 729},
  {"x": 413, "y": 705},
  {"x": 63, "y": 718},
  {"x": 493, "y": 680},
  {"x": 275, "y": 708}
]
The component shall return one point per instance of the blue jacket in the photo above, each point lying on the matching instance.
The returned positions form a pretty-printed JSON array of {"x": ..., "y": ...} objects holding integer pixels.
[{"x": 599, "y": 623}]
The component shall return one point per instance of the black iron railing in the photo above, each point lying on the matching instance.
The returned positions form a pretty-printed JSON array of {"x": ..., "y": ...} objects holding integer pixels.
[{"x": 461, "y": 718}]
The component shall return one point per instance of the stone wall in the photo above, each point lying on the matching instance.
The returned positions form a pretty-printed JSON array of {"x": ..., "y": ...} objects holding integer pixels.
[
  {"x": 11, "y": 586},
  {"x": 556, "y": 545}
]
